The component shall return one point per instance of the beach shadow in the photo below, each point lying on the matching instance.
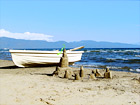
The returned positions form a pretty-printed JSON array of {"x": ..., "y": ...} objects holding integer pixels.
[
  {"x": 42, "y": 74},
  {"x": 16, "y": 67},
  {"x": 10, "y": 67},
  {"x": 100, "y": 77}
]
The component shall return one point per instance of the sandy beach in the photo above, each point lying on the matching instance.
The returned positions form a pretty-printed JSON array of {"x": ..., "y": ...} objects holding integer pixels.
[{"x": 36, "y": 86}]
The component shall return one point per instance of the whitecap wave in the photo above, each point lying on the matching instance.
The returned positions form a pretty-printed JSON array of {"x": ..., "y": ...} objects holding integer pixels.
[
  {"x": 138, "y": 70},
  {"x": 137, "y": 55}
]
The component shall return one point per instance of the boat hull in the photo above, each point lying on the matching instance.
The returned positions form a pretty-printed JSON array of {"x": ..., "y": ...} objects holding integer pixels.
[{"x": 31, "y": 58}]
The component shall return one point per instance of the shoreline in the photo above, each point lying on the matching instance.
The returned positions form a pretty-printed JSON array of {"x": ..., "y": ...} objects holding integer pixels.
[
  {"x": 29, "y": 86},
  {"x": 87, "y": 67},
  {"x": 126, "y": 59}
]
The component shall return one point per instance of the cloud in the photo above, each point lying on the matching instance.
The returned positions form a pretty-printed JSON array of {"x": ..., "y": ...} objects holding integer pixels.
[{"x": 25, "y": 35}]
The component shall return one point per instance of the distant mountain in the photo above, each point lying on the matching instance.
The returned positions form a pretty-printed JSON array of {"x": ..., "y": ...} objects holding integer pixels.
[{"x": 19, "y": 43}]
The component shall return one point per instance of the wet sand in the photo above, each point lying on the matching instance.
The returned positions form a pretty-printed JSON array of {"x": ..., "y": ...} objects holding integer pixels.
[{"x": 36, "y": 86}]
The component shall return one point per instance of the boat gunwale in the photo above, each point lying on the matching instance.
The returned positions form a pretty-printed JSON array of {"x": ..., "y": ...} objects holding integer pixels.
[{"x": 44, "y": 52}]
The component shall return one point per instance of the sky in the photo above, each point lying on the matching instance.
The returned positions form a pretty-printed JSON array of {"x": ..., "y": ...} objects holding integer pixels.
[{"x": 71, "y": 20}]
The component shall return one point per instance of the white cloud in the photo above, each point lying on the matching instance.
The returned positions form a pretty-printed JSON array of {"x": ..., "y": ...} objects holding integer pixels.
[{"x": 25, "y": 35}]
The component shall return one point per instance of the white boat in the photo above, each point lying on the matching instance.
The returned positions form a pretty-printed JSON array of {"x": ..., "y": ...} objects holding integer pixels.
[{"x": 28, "y": 58}]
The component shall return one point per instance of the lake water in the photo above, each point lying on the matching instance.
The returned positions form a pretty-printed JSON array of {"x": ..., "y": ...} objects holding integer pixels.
[{"x": 120, "y": 59}]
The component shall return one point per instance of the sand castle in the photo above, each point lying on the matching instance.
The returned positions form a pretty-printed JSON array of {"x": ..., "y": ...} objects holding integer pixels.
[
  {"x": 92, "y": 76},
  {"x": 77, "y": 77},
  {"x": 94, "y": 71},
  {"x": 64, "y": 71},
  {"x": 98, "y": 74},
  {"x": 108, "y": 74},
  {"x": 64, "y": 60},
  {"x": 81, "y": 72},
  {"x": 66, "y": 75}
]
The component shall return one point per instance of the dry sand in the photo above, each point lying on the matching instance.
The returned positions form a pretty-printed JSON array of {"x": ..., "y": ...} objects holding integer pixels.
[{"x": 34, "y": 86}]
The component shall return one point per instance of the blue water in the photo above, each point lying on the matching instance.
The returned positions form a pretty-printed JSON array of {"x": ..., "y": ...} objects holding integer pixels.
[{"x": 122, "y": 59}]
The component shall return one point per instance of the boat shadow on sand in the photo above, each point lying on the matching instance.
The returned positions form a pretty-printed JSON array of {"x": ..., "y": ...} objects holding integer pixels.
[
  {"x": 10, "y": 67},
  {"x": 42, "y": 74},
  {"x": 16, "y": 67}
]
